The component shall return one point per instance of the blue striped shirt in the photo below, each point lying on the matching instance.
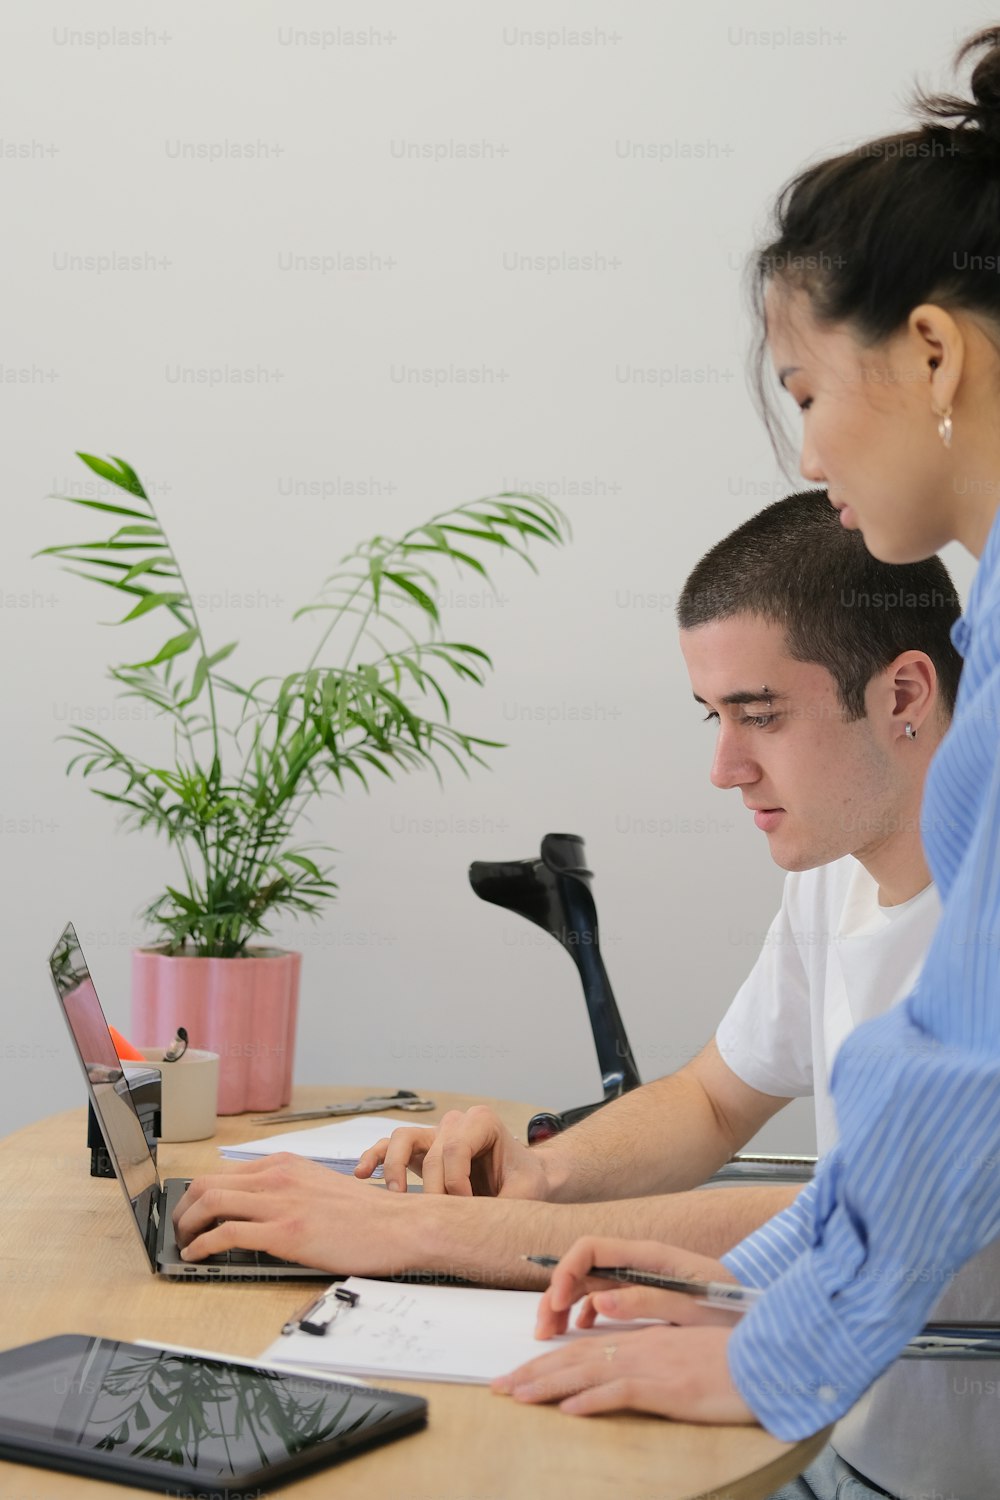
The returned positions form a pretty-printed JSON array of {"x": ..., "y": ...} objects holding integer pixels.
[{"x": 912, "y": 1190}]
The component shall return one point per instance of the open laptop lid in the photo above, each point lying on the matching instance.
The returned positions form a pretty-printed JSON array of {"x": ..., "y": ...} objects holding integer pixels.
[{"x": 108, "y": 1087}]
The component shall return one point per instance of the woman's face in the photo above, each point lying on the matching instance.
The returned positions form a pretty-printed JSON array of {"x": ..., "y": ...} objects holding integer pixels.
[{"x": 868, "y": 430}]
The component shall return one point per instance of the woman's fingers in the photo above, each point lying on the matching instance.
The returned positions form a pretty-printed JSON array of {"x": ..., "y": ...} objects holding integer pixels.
[
  {"x": 624, "y": 1303},
  {"x": 588, "y": 1314},
  {"x": 571, "y": 1280},
  {"x": 682, "y": 1373}
]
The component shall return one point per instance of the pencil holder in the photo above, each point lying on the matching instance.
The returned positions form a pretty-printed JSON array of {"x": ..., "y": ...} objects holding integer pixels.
[{"x": 189, "y": 1093}]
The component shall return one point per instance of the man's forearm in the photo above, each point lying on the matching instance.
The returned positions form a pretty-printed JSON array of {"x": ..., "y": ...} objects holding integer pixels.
[
  {"x": 484, "y": 1239},
  {"x": 662, "y": 1138}
]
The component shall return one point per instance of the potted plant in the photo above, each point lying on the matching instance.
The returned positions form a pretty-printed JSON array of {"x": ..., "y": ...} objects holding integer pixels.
[{"x": 247, "y": 761}]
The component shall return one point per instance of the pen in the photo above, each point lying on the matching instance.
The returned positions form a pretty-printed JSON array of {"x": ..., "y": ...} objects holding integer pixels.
[
  {"x": 722, "y": 1294},
  {"x": 319, "y": 1313},
  {"x": 941, "y": 1340}
]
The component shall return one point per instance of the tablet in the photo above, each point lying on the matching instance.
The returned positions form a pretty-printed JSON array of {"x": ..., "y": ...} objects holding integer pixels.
[{"x": 182, "y": 1422}]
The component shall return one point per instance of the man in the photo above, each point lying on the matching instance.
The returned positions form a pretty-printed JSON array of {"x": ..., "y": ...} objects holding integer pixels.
[
  {"x": 797, "y": 642},
  {"x": 832, "y": 677}
]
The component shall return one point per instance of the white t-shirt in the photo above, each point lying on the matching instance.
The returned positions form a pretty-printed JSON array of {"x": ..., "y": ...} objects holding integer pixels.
[{"x": 833, "y": 958}]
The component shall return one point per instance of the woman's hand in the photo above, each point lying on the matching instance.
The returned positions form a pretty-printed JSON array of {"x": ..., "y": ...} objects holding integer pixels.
[
  {"x": 681, "y": 1373},
  {"x": 570, "y": 1281}
]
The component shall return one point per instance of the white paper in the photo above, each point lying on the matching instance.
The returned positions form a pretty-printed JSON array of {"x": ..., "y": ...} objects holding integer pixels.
[
  {"x": 234, "y": 1359},
  {"x": 340, "y": 1144},
  {"x": 411, "y": 1331}
]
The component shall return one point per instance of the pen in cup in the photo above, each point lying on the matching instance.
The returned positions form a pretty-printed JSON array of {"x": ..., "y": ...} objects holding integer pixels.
[{"x": 719, "y": 1294}]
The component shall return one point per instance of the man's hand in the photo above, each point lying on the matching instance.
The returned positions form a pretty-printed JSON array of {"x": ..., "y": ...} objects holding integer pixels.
[
  {"x": 682, "y": 1373},
  {"x": 298, "y": 1210},
  {"x": 471, "y": 1153}
]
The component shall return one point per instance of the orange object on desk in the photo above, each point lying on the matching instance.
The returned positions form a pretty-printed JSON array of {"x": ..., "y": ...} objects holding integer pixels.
[{"x": 126, "y": 1052}]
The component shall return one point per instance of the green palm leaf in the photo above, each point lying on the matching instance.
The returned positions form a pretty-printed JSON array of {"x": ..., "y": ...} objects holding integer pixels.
[{"x": 240, "y": 782}]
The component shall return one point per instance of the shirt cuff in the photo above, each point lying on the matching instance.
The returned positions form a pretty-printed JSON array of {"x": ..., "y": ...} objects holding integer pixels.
[
  {"x": 767, "y": 1253},
  {"x": 793, "y": 1361}
]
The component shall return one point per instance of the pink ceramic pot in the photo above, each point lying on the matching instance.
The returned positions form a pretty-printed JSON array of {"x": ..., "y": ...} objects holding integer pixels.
[{"x": 244, "y": 1009}]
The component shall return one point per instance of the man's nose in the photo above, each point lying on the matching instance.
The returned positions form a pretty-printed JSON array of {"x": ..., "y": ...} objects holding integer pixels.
[{"x": 731, "y": 765}]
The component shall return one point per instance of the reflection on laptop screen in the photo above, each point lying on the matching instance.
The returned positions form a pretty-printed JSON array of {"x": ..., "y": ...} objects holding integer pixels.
[{"x": 106, "y": 1082}]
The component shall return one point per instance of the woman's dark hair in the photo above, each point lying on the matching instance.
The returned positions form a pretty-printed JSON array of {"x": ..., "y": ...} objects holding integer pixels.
[
  {"x": 794, "y": 565},
  {"x": 905, "y": 219}
]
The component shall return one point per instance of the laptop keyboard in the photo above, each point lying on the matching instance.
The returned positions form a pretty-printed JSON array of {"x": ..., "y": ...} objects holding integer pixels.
[{"x": 246, "y": 1258}]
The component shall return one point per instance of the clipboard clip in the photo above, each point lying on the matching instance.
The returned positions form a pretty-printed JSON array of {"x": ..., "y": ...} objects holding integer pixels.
[{"x": 318, "y": 1314}]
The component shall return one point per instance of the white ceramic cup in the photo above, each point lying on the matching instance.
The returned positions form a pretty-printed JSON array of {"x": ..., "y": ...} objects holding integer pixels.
[{"x": 189, "y": 1093}]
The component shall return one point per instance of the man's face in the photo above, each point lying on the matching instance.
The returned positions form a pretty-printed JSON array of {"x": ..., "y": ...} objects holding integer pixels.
[{"x": 818, "y": 786}]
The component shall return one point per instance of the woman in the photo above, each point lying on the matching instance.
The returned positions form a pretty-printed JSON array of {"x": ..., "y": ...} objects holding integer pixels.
[{"x": 879, "y": 299}]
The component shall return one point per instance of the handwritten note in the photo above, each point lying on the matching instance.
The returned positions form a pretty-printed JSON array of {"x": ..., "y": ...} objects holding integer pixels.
[{"x": 419, "y": 1332}]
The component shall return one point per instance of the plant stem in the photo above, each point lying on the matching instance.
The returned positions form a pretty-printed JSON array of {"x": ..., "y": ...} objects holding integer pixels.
[{"x": 216, "y": 759}]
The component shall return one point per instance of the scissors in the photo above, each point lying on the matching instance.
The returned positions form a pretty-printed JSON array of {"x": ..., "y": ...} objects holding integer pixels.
[{"x": 401, "y": 1099}]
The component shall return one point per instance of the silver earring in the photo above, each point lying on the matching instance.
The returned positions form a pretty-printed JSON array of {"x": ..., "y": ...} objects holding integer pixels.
[
  {"x": 945, "y": 428},
  {"x": 910, "y": 732}
]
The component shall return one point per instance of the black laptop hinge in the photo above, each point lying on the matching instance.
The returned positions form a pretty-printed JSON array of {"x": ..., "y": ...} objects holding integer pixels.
[{"x": 153, "y": 1226}]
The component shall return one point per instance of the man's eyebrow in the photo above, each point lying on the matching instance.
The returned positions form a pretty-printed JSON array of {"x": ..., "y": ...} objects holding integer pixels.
[
  {"x": 785, "y": 372},
  {"x": 745, "y": 696}
]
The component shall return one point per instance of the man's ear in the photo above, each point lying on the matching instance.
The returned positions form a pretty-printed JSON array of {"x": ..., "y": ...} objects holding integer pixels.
[{"x": 914, "y": 684}]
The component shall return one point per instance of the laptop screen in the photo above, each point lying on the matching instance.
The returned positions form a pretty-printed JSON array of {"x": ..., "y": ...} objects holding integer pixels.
[{"x": 106, "y": 1082}]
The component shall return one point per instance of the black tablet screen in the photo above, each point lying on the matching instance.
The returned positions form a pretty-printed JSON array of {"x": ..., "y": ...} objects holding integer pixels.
[{"x": 181, "y": 1411}]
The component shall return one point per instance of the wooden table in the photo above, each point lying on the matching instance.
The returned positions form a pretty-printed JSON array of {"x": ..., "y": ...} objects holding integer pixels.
[{"x": 70, "y": 1263}]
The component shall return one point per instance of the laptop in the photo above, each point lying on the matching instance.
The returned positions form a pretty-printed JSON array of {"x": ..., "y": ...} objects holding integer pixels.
[{"x": 150, "y": 1202}]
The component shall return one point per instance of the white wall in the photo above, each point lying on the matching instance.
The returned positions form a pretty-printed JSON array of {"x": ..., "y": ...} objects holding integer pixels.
[{"x": 409, "y": 980}]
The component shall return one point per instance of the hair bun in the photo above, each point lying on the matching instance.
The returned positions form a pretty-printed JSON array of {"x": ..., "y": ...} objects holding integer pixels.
[
  {"x": 980, "y": 115},
  {"x": 985, "y": 112}
]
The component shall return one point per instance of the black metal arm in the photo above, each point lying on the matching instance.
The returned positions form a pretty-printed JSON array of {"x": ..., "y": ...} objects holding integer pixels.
[{"x": 553, "y": 891}]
